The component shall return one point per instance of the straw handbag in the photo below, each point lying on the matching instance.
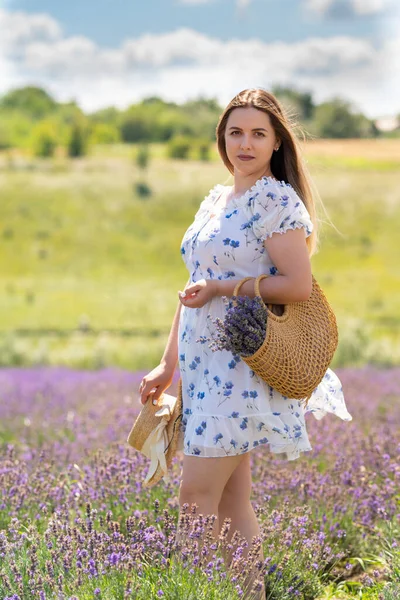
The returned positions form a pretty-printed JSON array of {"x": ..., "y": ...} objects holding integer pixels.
[
  {"x": 157, "y": 434},
  {"x": 299, "y": 343}
]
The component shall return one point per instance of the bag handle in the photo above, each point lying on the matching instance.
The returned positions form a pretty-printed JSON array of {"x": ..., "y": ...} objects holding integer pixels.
[
  {"x": 256, "y": 287},
  {"x": 239, "y": 285},
  {"x": 257, "y": 284}
]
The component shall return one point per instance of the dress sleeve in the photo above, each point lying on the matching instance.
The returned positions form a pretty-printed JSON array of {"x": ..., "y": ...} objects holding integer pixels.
[{"x": 277, "y": 209}]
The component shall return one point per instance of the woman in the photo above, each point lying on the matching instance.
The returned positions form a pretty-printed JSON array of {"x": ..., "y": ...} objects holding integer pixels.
[{"x": 264, "y": 223}]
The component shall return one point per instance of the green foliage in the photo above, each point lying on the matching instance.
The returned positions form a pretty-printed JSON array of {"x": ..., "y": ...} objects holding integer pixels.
[
  {"x": 108, "y": 115},
  {"x": 44, "y": 139},
  {"x": 135, "y": 125},
  {"x": 33, "y": 101},
  {"x": 179, "y": 147},
  {"x": 105, "y": 133},
  {"x": 142, "y": 156},
  {"x": 202, "y": 117},
  {"x": 155, "y": 120},
  {"x": 15, "y": 129},
  {"x": 336, "y": 119},
  {"x": 142, "y": 189},
  {"x": 297, "y": 102},
  {"x": 77, "y": 144},
  {"x": 5, "y": 135},
  {"x": 202, "y": 149}
]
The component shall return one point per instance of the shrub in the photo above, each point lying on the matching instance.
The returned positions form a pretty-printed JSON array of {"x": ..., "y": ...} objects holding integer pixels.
[
  {"x": 179, "y": 147},
  {"x": 142, "y": 156},
  {"x": 204, "y": 150},
  {"x": 78, "y": 140},
  {"x": 142, "y": 189},
  {"x": 105, "y": 133},
  {"x": 44, "y": 140}
]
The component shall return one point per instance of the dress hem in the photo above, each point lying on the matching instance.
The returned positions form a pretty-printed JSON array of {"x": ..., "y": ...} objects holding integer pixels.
[{"x": 289, "y": 454}]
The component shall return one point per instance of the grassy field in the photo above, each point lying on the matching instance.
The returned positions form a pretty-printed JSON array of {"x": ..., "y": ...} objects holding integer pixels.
[{"x": 89, "y": 271}]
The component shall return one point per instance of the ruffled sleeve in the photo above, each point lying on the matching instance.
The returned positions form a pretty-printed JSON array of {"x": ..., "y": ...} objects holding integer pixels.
[{"x": 278, "y": 208}]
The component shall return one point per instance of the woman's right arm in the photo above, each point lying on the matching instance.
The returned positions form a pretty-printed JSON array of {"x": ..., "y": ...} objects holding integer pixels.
[{"x": 161, "y": 377}]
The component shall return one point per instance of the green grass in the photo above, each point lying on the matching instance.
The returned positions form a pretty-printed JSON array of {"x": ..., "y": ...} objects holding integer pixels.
[{"x": 79, "y": 250}]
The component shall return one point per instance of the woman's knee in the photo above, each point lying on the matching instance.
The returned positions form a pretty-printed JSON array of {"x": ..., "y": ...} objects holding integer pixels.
[
  {"x": 237, "y": 490},
  {"x": 195, "y": 495}
]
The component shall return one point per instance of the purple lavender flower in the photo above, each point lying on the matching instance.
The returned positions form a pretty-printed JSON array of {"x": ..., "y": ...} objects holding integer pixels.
[{"x": 243, "y": 329}]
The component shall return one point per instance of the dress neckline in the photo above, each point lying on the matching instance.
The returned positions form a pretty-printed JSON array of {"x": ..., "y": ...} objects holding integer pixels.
[{"x": 219, "y": 188}]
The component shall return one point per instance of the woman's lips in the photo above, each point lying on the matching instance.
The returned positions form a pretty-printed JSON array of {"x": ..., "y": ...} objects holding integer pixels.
[{"x": 246, "y": 157}]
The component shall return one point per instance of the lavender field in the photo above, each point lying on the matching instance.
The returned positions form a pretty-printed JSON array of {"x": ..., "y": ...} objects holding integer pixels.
[{"x": 76, "y": 523}]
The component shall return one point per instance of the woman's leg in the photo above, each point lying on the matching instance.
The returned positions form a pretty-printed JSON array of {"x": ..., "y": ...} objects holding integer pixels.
[
  {"x": 202, "y": 482},
  {"x": 235, "y": 504}
]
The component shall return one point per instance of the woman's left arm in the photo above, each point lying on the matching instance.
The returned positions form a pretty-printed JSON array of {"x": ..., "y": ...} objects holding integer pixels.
[{"x": 288, "y": 252}]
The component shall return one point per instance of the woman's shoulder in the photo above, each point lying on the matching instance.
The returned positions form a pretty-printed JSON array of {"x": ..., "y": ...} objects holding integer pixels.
[
  {"x": 277, "y": 207},
  {"x": 274, "y": 192},
  {"x": 270, "y": 184}
]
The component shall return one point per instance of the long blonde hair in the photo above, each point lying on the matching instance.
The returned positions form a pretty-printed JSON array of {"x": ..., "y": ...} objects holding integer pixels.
[{"x": 287, "y": 163}]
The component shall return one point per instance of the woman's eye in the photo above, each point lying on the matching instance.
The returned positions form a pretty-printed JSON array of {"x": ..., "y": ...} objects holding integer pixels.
[{"x": 257, "y": 133}]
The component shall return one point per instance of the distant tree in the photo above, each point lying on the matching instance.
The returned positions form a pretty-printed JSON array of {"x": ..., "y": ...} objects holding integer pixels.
[
  {"x": 142, "y": 189},
  {"x": 336, "y": 119},
  {"x": 142, "y": 156},
  {"x": 294, "y": 100},
  {"x": 31, "y": 100},
  {"x": 78, "y": 140},
  {"x": 105, "y": 133},
  {"x": 179, "y": 147},
  {"x": 109, "y": 116},
  {"x": 201, "y": 149},
  {"x": 152, "y": 100},
  {"x": 201, "y": 116},
  {"x": 153, "y": 120},
  {"x": 5, "y": 135},
  {"x": 69, "y": 112},
  {"x": 44, "y": 140},
  {"x": 15, "y": 129},
  {"x": 135, "y": 125}
]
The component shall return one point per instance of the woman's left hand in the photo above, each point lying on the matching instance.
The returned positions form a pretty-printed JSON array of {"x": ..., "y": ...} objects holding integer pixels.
[{"x": 199, "y": 293}]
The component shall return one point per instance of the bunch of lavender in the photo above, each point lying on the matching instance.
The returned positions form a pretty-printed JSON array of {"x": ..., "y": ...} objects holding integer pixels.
[{"x": 243, "y": 329}]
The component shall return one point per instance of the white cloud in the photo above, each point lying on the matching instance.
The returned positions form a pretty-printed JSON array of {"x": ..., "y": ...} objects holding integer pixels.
[
  {"x": 19, "y": 29},
  {"x": 243, "y": 4},
  {"x": 185, "y": 63},
  {"x": 348, "y": 8}
]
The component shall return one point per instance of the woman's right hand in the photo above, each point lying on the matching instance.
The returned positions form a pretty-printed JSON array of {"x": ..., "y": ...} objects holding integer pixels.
[{"x": 155, "y": 382}]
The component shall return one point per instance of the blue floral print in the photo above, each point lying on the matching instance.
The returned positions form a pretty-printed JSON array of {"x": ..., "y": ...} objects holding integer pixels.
[{"x": 227, "y": 408}]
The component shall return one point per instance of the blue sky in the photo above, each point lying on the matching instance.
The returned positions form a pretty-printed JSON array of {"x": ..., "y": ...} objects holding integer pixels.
[
  {"x": 109, "y": 21},
  {"x": 107, "y": 52}
]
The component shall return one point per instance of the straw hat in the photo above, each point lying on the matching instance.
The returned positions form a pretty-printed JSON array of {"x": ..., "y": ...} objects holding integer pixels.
[{"x": 157, "y": 433}]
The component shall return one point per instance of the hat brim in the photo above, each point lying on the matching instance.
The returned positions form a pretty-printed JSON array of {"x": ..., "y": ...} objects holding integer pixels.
[{"x": 147, "y": 421}]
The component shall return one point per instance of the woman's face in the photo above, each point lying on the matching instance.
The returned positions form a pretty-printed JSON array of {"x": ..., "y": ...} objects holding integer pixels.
[{"x": 249, "y": 132}]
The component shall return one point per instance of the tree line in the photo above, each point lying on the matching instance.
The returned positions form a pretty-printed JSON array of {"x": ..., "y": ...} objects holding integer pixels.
[{"x": 30, "y": 118}]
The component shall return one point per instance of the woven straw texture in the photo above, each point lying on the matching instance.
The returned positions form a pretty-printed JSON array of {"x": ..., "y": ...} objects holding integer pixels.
[
  {"x": 147, "y": 421},
  {"x": 299, "y": 345}
]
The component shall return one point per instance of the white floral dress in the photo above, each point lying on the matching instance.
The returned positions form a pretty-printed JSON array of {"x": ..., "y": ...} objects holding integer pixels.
[{"x": 227, "y": 408}]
